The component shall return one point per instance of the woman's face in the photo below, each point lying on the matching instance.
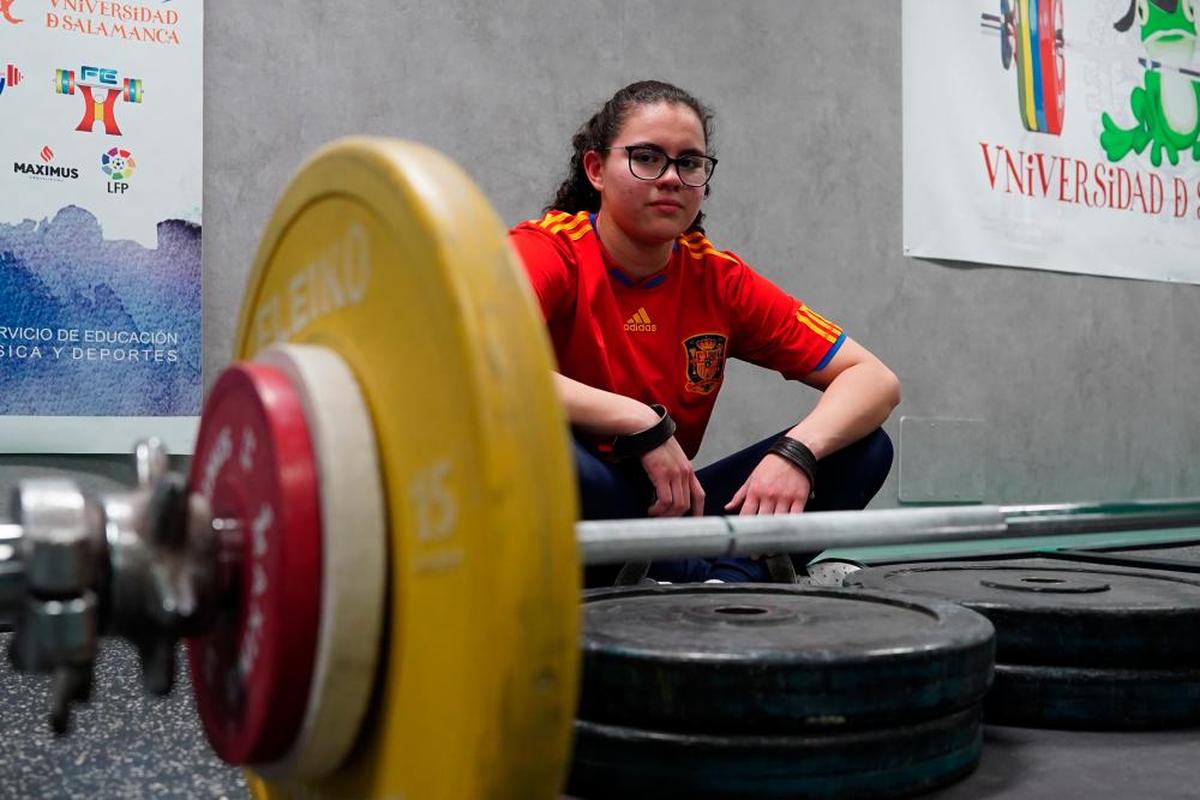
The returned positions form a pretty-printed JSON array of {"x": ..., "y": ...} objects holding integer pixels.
[{"x": 649, "y": 211}]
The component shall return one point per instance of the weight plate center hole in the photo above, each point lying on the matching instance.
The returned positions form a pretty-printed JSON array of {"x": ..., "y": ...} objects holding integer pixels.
[
  {"x": 743, "y": 611},
  {"x": 1038, "y": 583},
  {"x": 747, "y": 612}
]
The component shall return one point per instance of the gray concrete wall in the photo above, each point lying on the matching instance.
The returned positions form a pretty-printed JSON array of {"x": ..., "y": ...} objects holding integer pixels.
[{"x": 1084, "y": 384}]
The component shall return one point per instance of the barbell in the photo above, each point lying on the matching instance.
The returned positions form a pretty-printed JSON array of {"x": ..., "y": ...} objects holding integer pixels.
[
  {"x": 1032, "y": 43},
  {"x": 375, "y": 554},
  {"x": 385, "y": 272},
  {"x": 1031, "y": 40}
]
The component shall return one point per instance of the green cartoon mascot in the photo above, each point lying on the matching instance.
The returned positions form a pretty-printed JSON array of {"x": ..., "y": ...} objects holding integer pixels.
[{"x": 1167, "y": 106}]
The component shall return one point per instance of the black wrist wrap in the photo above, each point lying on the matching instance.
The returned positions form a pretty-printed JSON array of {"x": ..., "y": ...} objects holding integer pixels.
[
  {"x": 635, "y": 444},
  {"x": 798, "y": 454}
]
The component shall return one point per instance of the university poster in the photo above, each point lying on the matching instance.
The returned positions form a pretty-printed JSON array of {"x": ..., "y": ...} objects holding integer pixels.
[
  {"x": 1054, "y": 134},
  {"x": 100, "y": 200}
]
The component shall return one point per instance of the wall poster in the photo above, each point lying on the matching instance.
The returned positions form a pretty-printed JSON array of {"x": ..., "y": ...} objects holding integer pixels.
[
  {"x": 101, "y": 140},
  {"x": 1054, "y": 134}
]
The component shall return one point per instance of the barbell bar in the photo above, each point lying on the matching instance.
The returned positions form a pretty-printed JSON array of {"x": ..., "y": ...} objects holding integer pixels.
[{"x": 615, "y": 541}]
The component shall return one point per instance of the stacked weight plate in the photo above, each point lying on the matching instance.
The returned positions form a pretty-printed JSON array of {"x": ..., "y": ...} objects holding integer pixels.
[
  {"x": 1077, "y": 645},
  {"x": 1035, "y": 50},
  {"x": 764, "y": 691}
]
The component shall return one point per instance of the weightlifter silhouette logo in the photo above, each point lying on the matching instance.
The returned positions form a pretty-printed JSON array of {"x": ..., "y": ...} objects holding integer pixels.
[{"x": 100, "y": 89}]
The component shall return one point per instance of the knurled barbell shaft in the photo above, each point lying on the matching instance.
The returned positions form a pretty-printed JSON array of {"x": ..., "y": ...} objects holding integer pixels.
[
  {"x": 1129, "y": 515},
  {"x": 617, "y": 541}
]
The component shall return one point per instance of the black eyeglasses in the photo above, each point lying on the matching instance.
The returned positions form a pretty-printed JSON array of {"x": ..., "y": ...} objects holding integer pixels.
[{"x": 650, "y": 164}]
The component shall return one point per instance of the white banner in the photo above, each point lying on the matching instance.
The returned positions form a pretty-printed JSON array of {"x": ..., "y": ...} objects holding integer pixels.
[
  {"x": 101, "y": 135},
  {"x": 1054, "y": 134}
]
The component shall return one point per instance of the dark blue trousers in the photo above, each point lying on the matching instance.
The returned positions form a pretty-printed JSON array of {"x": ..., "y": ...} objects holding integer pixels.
[{"x": 846, "y": 480}]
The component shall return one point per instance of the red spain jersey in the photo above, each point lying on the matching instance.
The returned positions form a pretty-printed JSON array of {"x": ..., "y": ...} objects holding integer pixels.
[{"x": 664, "y": 339}]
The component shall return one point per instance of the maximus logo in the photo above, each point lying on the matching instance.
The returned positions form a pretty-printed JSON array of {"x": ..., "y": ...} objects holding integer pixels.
[{"x": 46, "y": 171}]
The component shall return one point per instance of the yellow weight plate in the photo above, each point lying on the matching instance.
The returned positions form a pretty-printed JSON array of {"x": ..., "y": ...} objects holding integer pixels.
[
  {"x": 1025, "y": 73},
  {"x": 387, "y": 253}
]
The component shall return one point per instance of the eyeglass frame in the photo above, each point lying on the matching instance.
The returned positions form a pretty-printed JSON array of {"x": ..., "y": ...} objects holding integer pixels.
[{"x": 629, "y": 148}]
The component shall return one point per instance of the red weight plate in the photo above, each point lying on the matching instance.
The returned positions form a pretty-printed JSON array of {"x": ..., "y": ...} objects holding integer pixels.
[
  {"x": 1054, "y": 73},
  {"x": 254, "y": 462}
]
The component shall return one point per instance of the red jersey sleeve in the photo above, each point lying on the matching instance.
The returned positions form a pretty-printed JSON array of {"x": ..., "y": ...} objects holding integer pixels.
[
  {"x": 775, "y": 330},
  {"x": 549, "y": 267}
]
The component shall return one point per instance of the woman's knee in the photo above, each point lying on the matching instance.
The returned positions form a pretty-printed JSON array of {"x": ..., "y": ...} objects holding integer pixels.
[
  {"x": 848, "y": 479},
  {"x": 604, "y": 492},
  {"x": 878, "y": 454}
]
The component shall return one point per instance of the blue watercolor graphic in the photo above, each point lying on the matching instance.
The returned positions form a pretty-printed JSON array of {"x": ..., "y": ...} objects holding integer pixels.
[{"x": 135, "y": 313}]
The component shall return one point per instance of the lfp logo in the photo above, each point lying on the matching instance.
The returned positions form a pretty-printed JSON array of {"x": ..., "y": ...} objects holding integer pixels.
[
  {"x": 101, "y": 89},
  {"x": 118, "y": 165},
  {"x": 10, "y": 77}
]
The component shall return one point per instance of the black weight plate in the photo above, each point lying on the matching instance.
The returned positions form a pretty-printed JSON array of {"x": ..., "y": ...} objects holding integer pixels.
[
  {"x": 611, "y": 762},
  {"x": 770, "y": 659},
  {"x": 1006, "y": 26},
  {"x": 1075, "y": 615},
  {"x": 1093, "y": 699}
]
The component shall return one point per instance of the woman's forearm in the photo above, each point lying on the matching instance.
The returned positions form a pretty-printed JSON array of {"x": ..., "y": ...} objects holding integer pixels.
[
  {"x": 600, "y": 412},
  {"x": 855, "y": 403}
]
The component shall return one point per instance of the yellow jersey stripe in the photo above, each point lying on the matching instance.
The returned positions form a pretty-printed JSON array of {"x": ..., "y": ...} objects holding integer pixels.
[
  {"x": 552, "y": 218},
  {"x": 824, "y": 334},
  {"x": 570, "y": 224},
  {"x": 583, "y": 230},
  {"x": 818, "y": 317},
  {"x": 709, "y": 251},
  {"x": 805, "y": 311}
]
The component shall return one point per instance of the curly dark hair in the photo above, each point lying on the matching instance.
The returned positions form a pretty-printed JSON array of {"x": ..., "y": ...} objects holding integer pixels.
[{"x": 576, "y": 193}]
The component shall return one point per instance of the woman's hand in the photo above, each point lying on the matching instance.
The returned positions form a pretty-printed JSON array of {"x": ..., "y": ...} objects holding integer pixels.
[
  {"x": 676, "y": 487},
  {"x": 774, "y": 487}
]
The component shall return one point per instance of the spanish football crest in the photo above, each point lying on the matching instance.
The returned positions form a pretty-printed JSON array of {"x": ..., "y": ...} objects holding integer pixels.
[{"x": 706, "y": 361}]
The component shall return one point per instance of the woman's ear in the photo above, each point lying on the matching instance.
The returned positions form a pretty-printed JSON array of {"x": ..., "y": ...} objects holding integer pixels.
[{"x": 593, "y": 167}]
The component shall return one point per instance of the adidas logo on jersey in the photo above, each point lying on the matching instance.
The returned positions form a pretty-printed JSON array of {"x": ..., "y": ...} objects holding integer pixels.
[{"x": 640, "y": 323}]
